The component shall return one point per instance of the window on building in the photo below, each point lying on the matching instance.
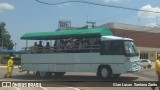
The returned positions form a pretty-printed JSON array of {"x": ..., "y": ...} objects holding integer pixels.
[{"x": 144, "y": 56}]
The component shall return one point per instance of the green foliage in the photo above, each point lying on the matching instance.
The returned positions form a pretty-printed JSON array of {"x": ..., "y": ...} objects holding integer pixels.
[{"x": 5, "y": 37}]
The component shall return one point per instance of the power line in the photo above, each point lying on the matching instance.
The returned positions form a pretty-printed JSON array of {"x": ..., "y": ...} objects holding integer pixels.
[
  {"x": 97, "y": 4},
  {"x": 86, "y": 2}
]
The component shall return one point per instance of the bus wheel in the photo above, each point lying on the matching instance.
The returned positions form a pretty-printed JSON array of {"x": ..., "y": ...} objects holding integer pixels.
[
  {"x": 104, "y": 72},
  {"x": 59, "y": 74},
  {"x": 116, "y": 75}
]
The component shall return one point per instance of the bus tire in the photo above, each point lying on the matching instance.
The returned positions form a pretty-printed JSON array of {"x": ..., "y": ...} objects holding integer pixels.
[
  {"x": 59, "y": 74},
  {"x": 104, "y": 72}
]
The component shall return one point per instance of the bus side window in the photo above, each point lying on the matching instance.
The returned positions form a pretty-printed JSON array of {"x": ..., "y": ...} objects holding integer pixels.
[
  {"x": 105, "y": 48},
  {"x": 111, "y": 48}
]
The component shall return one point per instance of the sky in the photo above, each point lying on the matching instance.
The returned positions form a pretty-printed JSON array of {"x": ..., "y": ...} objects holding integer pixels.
[{"x": 25, "y": 16}]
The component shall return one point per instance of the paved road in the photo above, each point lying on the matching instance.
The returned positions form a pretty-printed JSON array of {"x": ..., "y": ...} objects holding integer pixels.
[
  {"x": 79, "y": 80},
  {"x": 21, "y": 76}
]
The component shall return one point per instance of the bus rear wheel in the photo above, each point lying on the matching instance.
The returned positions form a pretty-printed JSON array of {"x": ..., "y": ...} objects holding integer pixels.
[{"x": 104, "y": 72}]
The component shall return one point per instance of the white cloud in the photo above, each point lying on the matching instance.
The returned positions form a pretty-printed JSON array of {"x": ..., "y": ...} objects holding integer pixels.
[
  {"x": 63, "y": 5},
  {"x": 6, "y": 6},
  {"x": 151, "y": 15},
  {"x": 151, "y": 25}
]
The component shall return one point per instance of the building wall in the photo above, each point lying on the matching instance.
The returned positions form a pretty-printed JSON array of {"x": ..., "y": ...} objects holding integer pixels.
[
  {"x": 151, "y": 41},
  {"x": 142, "y": 39}
]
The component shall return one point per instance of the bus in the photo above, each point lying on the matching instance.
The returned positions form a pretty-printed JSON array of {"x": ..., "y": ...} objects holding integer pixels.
[{"x": 108, "y": 56}]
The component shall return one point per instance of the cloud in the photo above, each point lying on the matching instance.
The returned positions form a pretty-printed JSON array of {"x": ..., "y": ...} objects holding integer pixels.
[
  {"x": 63, "y": 5},
  {"x": 150, "y": 15},
  {"x": 6, "y": 6}
]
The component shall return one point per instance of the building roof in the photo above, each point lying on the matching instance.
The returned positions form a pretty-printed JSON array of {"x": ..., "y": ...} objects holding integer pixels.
[
  {"x": 95, "y": 32},
  {"x": 123, "y": 26}
]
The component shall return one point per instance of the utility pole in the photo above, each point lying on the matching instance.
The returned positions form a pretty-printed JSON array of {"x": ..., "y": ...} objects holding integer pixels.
[{"x": 92, "y": 24}]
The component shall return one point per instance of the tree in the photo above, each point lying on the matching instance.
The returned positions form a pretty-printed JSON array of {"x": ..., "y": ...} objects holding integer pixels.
[{"x": 5, "y": 37}]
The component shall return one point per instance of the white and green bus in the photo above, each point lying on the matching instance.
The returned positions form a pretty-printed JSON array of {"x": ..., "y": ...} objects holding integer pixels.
[{"x": 109, "y": 56}]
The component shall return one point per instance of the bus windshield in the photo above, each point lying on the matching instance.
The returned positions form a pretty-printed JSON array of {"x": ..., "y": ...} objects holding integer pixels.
[{"x": 130, "y": 48}]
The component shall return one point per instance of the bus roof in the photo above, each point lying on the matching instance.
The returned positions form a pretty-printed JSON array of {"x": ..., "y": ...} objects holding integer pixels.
[
  {"x": 104, "y": 38},
  {"x": 62, "y": 34}
]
